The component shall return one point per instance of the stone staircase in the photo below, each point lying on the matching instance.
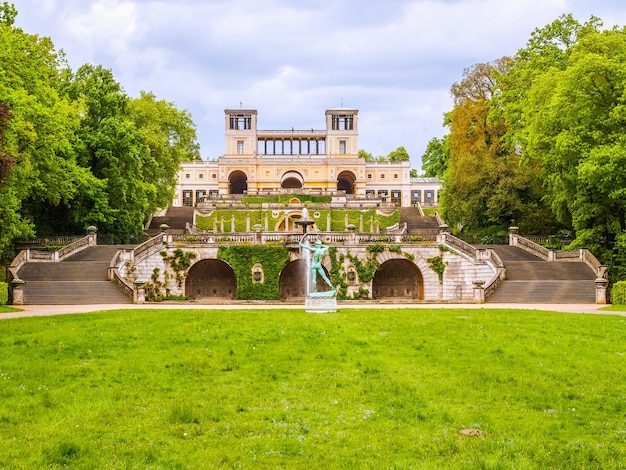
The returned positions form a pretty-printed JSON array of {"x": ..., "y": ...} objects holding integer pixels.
[
  {"x": 177, "y": 219},
  {"x": 531, "y": 280},
  {"x": 418, "y": 224},
  {"x": 79, "y": 279}
]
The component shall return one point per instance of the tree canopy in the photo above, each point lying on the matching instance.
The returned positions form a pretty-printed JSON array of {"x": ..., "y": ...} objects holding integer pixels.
[
  {"x": 537, "y": 139},
  {"x": 75, "y": 149}
]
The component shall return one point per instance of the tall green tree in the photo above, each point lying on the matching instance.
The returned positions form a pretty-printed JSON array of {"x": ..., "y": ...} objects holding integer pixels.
[
  {"x": 399, "y": 155},
  {"x": 436, "y": 157},
  {"x": 575, "y": 126},
  {"x": 170, "y": 137},
  {"x": 485, "y": 184},
  {"x": 38, "y": 138},
  {"x": 111, "y": 146}
]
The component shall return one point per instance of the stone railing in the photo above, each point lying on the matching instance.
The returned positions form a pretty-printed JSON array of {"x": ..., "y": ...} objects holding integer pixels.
[
  {"x": 500, "y": 276},
  {"x": 123, "y": 285},
  {"x": 75, "y": 247},
  {"x": 50, "y": 241},
  {"x": 149, "y": 247},
  {"x": 542, "y": 252},
  {"x": 457, "y": 244},
  {"x": 590, "y": 260},
  {"x": 532, "y": 247}
]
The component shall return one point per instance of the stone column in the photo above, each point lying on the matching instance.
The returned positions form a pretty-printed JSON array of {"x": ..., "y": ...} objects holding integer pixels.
[
  {"x": 479, "y": 292},
  {"x": 513, "y": 236},
  {"x": 17, "y": 291},
  {"x": 139, "y": 293},
  {"x": 601, "y": 285},
  {"x": 91, "y": 232}
]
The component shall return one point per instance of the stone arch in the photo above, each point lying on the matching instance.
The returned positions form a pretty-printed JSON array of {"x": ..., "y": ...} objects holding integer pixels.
[
  {"x": 292, "y": 180},
  {"x": 292, "y": 281},
  {"x": 286, "y": 223},
  {"x": 398, "y": 278},
  {"x": 345, "y": 181},
  {"x": 210, "y": 279},
  {"x": 238, "y": 182}
]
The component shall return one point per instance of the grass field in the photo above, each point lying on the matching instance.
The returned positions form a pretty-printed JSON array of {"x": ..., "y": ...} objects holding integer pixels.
[{"x": 155, "y": 389}]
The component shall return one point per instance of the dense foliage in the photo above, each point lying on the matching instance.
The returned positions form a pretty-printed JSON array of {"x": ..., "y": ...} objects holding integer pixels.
[
  {"x": 618, "y": 293},
  {"x": 75, "y": 150},
  {"x": 4, "y": 293},
  {"x": 537, "y": 140},
  {"x": 243, "y": 258}
]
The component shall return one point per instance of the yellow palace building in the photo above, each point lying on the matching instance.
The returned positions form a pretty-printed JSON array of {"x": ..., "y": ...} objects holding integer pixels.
[{"x": 309, "y": 161}]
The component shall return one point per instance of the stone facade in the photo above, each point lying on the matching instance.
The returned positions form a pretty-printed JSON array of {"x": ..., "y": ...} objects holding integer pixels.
[
  {"x": 319, "y": 161},
  {"x": 403, "y": 271}
]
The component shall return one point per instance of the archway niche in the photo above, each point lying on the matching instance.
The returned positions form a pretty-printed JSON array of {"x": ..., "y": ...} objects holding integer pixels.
[
  {"x": 292, "y": 281},
  {"x": 210, "y": 279},
  {"x": 292, "y": 180},
  {"x": 398, "y": 279},
  {"x": 345, "y": 182},
  {"x": 238, "y": 182}
]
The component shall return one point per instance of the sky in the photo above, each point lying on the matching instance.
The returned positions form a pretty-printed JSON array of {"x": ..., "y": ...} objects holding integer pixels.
[{"x": 393, "y": 60}]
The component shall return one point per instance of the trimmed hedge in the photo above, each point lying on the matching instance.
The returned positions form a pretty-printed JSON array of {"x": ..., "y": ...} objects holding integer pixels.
[
  {"x": 257, "y": 216},
  {"x": 618, "y": 293},
  {"x": 4, "y": 293}
]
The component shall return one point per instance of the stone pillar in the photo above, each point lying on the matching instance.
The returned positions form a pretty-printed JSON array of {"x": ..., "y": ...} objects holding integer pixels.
[
  {"x": 351, "y": 235},
  {"x": 328, "y": 222},
  {"x": 222, "y": 224},
  {"x": 479, "y": 291},
  {"x": 139, "y": 293},
  {"x": 258, "y": 240},
  {"x": 266, "y": 224},
  {"x": 91, "y": 232},
  {"x": 361, "y": 223},
  {"x": 247, "y": 222},
  {"x": 17, "y": 291},
  {"x": 164, "y": 228},
  {"x": 441, "y": 235},
  {"x": 232, "y": 224},
  {"x": 513, "y": 236},
  {"x": 601, "y": 285}
]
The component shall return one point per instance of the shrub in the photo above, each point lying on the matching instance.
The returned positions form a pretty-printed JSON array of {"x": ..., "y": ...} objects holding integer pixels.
[
  {"x": 4, "y": 293},
  {"x": 618, "y": 293}
]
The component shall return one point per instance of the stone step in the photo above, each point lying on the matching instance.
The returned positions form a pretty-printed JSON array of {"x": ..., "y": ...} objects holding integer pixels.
[
  {"x": 512, "y": 253},
  {"x": 72, "y": 293},
  {"x": 65, "y": 271},
  {"x": 555, "y": 270},
  {"x": 535, "y": 292}
]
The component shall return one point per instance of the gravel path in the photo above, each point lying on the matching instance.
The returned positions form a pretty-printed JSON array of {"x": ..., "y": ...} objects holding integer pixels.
[{"x": 46, "y": 310}]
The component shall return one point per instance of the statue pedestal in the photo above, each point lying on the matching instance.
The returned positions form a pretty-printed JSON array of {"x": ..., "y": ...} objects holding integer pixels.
[{"x": 320, "y": 302}]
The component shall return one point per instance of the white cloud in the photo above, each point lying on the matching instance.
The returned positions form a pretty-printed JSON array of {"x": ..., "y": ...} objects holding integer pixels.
[
  {"x": 108, "y": 25},
  {"x": 394, "y": 61}
]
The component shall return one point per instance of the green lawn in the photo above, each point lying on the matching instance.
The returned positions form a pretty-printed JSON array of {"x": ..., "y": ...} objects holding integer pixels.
[{"x": 359, "y": 388}]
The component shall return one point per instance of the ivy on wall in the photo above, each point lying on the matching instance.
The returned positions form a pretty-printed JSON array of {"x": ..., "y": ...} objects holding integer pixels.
[
  {"x": 179, "y": 262},
  {"x": 337, "y": 273},
  {"x": 242, "y": 258},
  {"x": 437, "y": 264}
]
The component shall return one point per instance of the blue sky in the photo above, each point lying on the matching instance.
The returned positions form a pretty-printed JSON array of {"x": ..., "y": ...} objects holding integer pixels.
[{"x": 394, "y": 60}]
